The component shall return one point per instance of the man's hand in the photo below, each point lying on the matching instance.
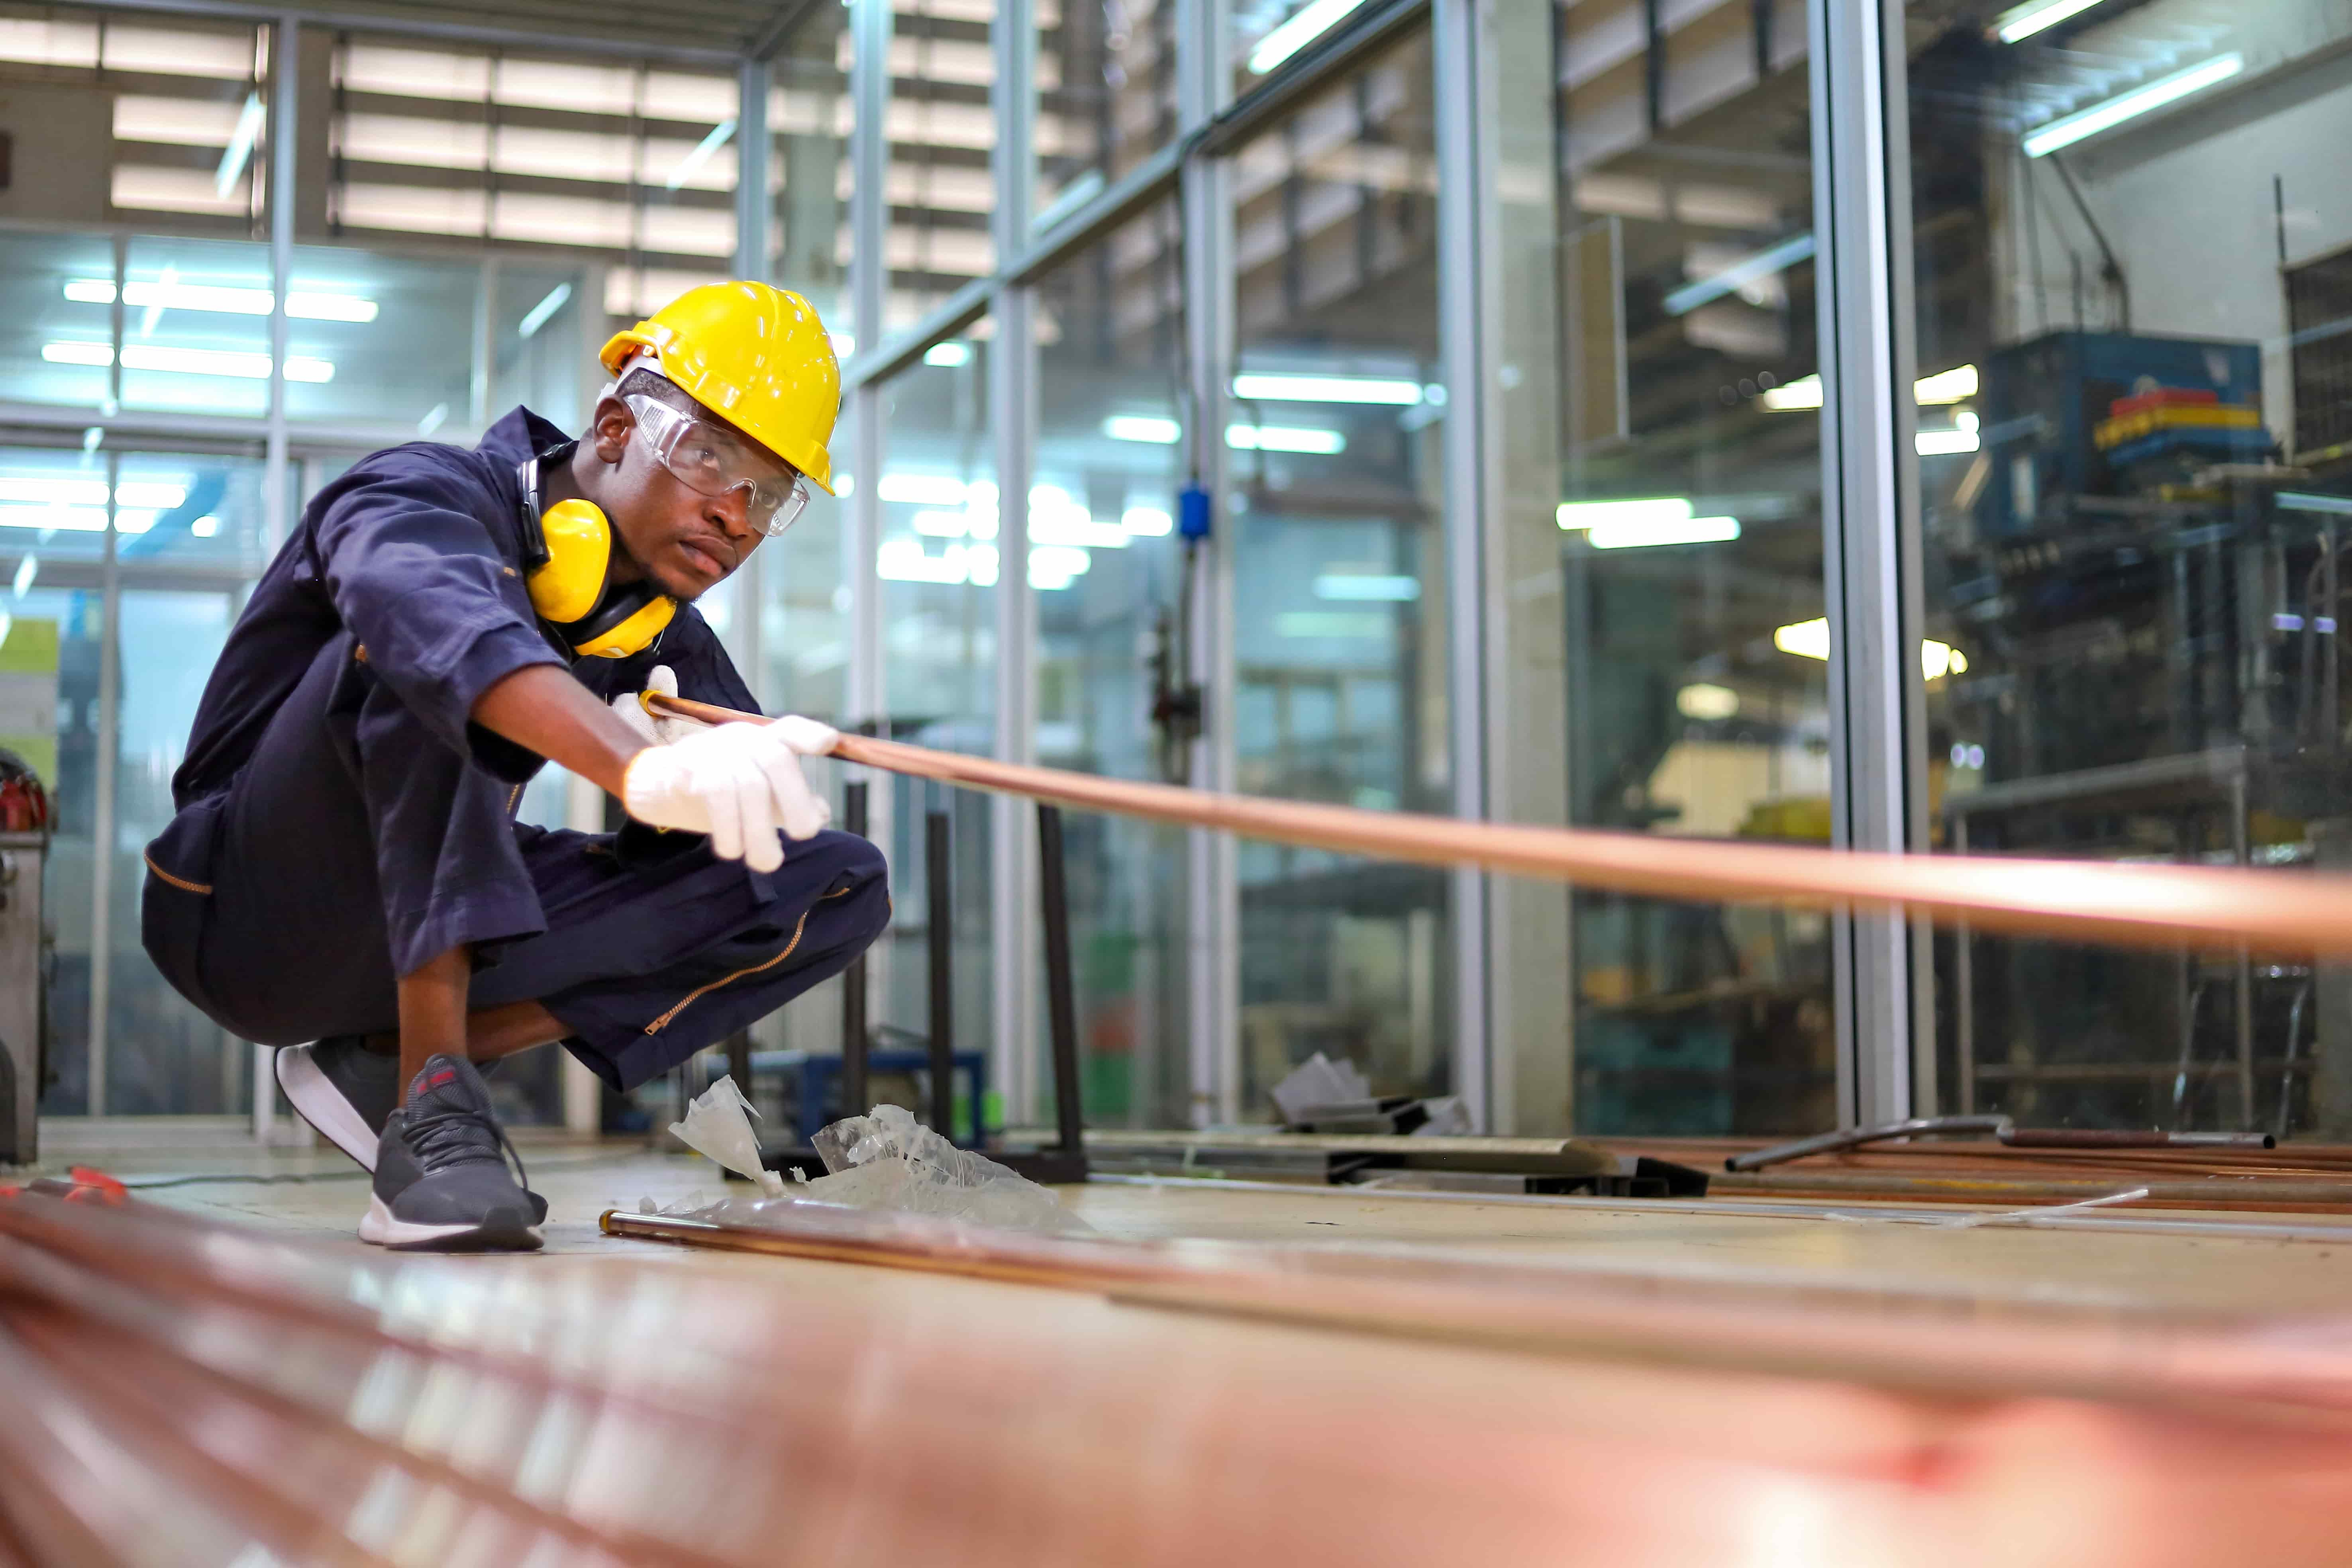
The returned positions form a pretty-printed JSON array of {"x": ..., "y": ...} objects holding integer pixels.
[
  {"x": 737, "y": 782},
  {"x": 657, "y": 728}
]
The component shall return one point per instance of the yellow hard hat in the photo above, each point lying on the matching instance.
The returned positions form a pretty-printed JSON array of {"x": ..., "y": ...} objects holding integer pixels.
[{"x": 757, "y": 357}]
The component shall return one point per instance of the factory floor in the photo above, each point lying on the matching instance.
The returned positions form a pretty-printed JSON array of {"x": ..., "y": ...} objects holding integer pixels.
[{"x": 2200, "y": 1264}]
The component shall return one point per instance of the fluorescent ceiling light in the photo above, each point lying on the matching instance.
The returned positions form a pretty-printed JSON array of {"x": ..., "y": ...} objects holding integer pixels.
[
  {"x": 1143, "y": 427},
  {"x": 1945, "y": 443},
  {"x": 1646, "y": 536},
  {"x": 1148, "y": 522},
  {"x": 1805, "y": 639},
  {"x": 1055, "y": 517},
  {"x": 1366, "y": 588},
  {"x": 942, "y": 525},
  {"x": 2020, "y": 23},
  {"x": 948, "y": 356},
  {"x": 1810, "y": 640},
  {"x": 1739, "y": 274},
  {"x": 718, "y": 136},
  {"x": 233, "y": 156},
  {"x": 1284, "y": 438},
  {"x": 546, "y": 307},
  {"x": 206, "y": 527},
  {"x": 1304, "y": 26},
  {"x": 188, "y": 361},
  {"x": 1053, "y": 567},
  {"x": 1326, "y": 389},
  {"x": 1703, "y": 700},
  {"x": 222, "y": 300},
  {"x": 2044, "y": 140},
  {"x": 1657, "y": 512},
  {"x": 1956, "y": 385},
  {"x": 926, "y": 490}
]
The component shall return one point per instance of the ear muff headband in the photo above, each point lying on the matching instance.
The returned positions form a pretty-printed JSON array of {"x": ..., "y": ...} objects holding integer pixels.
[{"x": 568, "y": 551}]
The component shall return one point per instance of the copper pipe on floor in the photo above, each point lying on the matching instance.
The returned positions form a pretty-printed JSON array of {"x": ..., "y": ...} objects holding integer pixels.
[{"x": 2140, "y": 905}]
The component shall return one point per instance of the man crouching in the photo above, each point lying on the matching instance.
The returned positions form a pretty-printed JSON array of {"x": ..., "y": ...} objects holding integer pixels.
[{"x": 344, "y": 868}]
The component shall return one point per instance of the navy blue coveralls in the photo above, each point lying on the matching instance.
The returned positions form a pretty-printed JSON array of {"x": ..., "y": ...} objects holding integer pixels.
[{"x": 340, "y": 820}]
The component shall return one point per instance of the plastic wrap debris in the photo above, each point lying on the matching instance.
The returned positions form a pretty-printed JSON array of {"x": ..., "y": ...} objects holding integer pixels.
[
  {"x": 718, "y": 1125},
  {"x": 885, "y": 1160},
  {"x": 890, "y": 1160},
  {"x": 1319, "y": 1081}
]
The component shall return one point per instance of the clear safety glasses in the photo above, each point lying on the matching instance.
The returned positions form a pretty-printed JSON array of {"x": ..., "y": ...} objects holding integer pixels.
[{"x": 715, "y": 461}]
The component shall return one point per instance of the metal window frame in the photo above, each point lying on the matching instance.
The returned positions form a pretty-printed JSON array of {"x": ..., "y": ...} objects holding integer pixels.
[{"x": 1871, "y": 537}]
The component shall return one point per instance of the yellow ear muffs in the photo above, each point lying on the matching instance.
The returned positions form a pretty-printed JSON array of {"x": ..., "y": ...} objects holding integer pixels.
[
  {"x": 569, "y": 589},
  {"x": 579, "y": 553},
  {"x": 636, "y": 632}
]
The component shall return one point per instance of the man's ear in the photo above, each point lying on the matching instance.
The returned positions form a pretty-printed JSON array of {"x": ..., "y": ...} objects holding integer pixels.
[{"x": 608, "y": 433}]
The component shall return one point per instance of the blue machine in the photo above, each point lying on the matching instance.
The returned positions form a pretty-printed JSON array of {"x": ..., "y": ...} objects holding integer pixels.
[{"x": 2045, "y": 399}]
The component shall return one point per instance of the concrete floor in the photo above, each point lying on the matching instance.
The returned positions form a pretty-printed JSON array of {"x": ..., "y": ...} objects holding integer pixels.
[{"x": 2202, "y": 1264}]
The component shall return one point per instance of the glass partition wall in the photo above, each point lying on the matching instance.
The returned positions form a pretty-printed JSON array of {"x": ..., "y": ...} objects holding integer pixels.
[
  {"x": 2132, "y": 254},
  {"x": 1417, "y": 407}
]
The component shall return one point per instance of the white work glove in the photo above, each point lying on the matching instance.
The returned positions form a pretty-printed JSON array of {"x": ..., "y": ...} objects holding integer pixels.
[
  {"x": 657, "y": 728},
  {"x": 737, "y": 782}
]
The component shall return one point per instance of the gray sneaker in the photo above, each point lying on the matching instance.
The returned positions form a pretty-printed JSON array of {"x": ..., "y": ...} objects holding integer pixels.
[
  {"x": 344, "y": 1089},
  {"x": 441, "y": 1179}
]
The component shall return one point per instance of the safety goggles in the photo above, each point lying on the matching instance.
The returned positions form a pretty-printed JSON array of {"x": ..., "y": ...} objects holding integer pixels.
[{"x": 716, "y": 461}]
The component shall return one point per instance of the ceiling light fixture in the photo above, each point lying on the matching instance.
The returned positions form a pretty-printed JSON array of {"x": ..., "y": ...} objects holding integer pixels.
[
  {"x": 239, "y": 151},
  {"x": 222, "y": 300},
  {"x": 1271, "y": 388},
  {"x": 1740, "y": 275},
  {"x": 948, "y": 356},
  {"x": 1284, "y": 438},
  {"x": 1649, "y": 536},
  {"x": 718, "y": 137},
  {"x": 1310, "y": 22},
  {"x": 546, "y": 307},
  {"x": 1143, "y": 427},
  {"x": 1810, "y": 640},
  {"x": 188, "y": 361},
  {"x": 1654, "y": 512},
  {"x": 2067, "y": 129},
  {"x": 2020, "y": 23}
]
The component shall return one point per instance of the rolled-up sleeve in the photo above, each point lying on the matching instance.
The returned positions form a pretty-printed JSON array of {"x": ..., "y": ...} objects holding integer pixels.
[{"x": 418, "y": 579}]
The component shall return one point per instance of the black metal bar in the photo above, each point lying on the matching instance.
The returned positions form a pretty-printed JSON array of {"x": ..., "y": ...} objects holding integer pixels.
[
  {"x": 938, "y": 849},
  {"x": 1061, "y": 995},
  {"x": 739, "y": 1059},
  {"x": 853, "y": 984},
  {"x": 1653, "y": 62}
]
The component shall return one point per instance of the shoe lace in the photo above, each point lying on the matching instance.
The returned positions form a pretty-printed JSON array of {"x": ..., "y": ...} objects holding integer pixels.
[{"x": 460, "y": 1134}]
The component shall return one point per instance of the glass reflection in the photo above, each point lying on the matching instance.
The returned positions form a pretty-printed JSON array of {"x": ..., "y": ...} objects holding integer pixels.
[
  {"x": 1111, "y": 324},
  {"x": 1336, "y": 518},
  {"x": 2133, "y": 291}
]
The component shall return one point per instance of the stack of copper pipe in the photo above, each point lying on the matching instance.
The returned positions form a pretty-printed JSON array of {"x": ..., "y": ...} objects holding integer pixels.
[{"x": 190, "y": 1394}]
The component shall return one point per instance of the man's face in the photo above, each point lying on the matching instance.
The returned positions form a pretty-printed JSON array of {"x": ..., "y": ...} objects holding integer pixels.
[{"x": 684, "y": 540}]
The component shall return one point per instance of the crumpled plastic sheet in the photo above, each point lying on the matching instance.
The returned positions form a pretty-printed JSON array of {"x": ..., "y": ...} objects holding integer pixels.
[
  {"x": 718, "y": 1126},
  {"x": 885, "y": 1160}
]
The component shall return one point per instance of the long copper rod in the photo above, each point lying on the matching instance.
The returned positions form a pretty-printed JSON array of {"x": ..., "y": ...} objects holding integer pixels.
[{"x": 2142, "y": 906}]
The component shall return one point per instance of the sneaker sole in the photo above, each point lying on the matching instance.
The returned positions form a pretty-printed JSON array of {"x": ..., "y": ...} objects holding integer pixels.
[
  {"x": 501, "y": 1232},
  {"x": 317, "y": 1102}
]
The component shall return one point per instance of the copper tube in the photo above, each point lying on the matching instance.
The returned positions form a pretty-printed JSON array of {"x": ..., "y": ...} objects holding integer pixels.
[
  {"x": 1893, "y": 1339},
  {"x": 2140, "y": 905}
]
